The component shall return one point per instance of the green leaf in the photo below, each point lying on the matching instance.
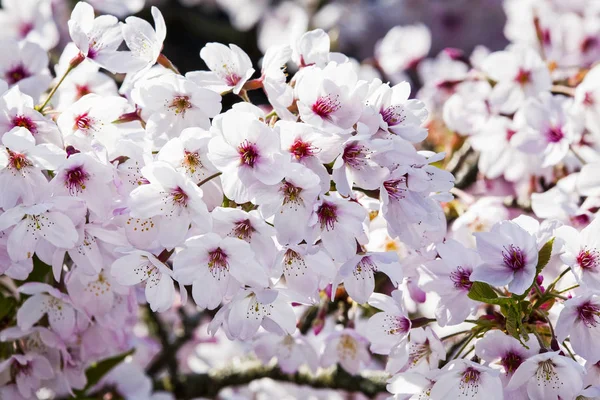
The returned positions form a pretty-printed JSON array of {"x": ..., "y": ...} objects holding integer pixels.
[
  {"x": 514, "y": 324},
  {"x": 544, "y": 255},
  {"x": 484, "y": 293},
  {"x": 99, "y": 369}
]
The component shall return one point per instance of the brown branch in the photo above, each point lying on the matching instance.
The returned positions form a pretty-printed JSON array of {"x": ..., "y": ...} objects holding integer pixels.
[{"x": 209, "y": 385}]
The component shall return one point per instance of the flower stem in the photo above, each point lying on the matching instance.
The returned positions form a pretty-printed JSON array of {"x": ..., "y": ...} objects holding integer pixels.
[
  {"x": 213, "y": 176},
  {"x": 41, "y": 107}
]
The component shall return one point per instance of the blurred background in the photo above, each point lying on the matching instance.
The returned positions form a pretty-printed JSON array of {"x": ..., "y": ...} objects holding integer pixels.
[{"x": 355, "y": 26}]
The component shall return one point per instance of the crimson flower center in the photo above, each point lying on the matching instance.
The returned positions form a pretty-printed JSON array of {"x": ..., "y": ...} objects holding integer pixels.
[
  {"x": 511, "y": 362},
  {"x": 180, "y": 104},
  {"x": 461, "y": 278},
  {"x": 393, "y": 115},
  {"x": 588, "y": 259},
  {"x": 25, "y": 122},
  {"x": 514, "y": 257},
  {"x": 327, "y": 215},
  {"x": 243, "y": 229},
  {"x": 555, "y": 134},
  {"x": 301, "y": 149},
  {"x": 248, "y": 153},
  {"x": 326, "y": 105},
  {"x": 523, "y": 77},
  {"x": 589, "y": 314},
  {"x": 76, "y": 179},
  {"x": 18, "y": 160},
  {"x": 16, "y": 74}
]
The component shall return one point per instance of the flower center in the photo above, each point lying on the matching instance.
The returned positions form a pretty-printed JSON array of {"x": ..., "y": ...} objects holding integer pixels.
[
  {"x": 180, "y": 104},
  {"x": 25, "y": 122},
  {"x": 523, "y": 77},
  {"x": 514, "y": 258},
  {"x": 82, "y": 90},
  {"x": 461, "y": 278},
  {"x": 83, "y": 122},
  {"x": 76, "y": 179},
  {"x": 588, "y": 259},
  {"x": 18, "y": 161},
  {"x": 554, "y": 134},
  {"x": 396, "y": 324},
  {"x": 509, "y": 134},
  {"x": 16, "y": 74},
  {"x": 589, "y": 314},
  {"x": 248, "y": 153},
  {"x": 327, "y": 215},
  {"x": 191, "y": 161},
  {"x": 180, "y": 198},
  {"x": 301, "y": 149},
  {"x": 511, "y": 362},
  {"x": 327, "y": 105},
  {"x": 394, "y": 188},
  {"x": 393, "y": 115},
  {"x": 546, "y": 374},
  {"x": 243, "y": 230},
  {"x": 355, "y": 155},
  {"x": 217, "y": 263},
  {"x": 291, "y": 193},
  {"x": 232, "y": 79},
  {"x": 469, "y": 384},
  {"x": 588, "y": 99},
  {"x": 347, "y": 347}
]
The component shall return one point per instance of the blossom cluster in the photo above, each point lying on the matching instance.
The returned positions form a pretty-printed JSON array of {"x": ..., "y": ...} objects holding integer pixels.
[{"x": 310, "y": 227}]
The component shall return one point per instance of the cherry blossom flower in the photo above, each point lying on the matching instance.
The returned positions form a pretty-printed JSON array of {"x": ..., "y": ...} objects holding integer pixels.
[
  {"x": 172, "y": 199},
  {"x": 144, "y": 42},
  {"x": 36, "y": 227},
  {"x": 545, "y": 126},
  {"x": 306, "y": 269},
  {"x": 99, "y": 38},
  {"x": 520, "y": 73},
  {"x": 230, "y": 68},
  {"x": 247, "y": 153},
  {"x": 171, "y": 103},
  {"x": 505, "y": 352},
  {"x": 581, "y": 253},
  {"x": 291, "y": 351},
  {"x": 347, "y": 348},
  {"x": 17, "y": 110},
  {"x": 358, "y": 273},
  {"x": 450, "y": 277},
  {"x": 549, "y": 376},
  {"x": 21, "y": 164},
  {"x": 396, "y": 114},
  {"x": 25, "y": 65},
  {"x": 330, "y": 98},
  {"x": 462, "y": 378},
  {"x": 29, "y": 371},
  {"x": 509, "y": 254},
  {"x": 579, "y": 320},
  {"x": 339, "y": 223},
  {"x": 85, "y": 177},
  {"x": 389, "y": 328},
  {"x": 247, "y": 226},
  {"x": 216, "y": 268},
  {"x": 46, "y": 300},
  {"x": 421, "y": 352},
  {"x": 31, "y": 20},
  {"x": 290, "y": 201},
  {"x": 402, "y": 48},
  {"x": 262, "y": 307},
  {"x": 140, "y": 266}
]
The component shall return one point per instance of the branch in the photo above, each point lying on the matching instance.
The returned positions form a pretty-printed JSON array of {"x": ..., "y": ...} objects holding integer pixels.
[
  {"x": 463, "y": 165},
  {"x": 209, "y": 385}
]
